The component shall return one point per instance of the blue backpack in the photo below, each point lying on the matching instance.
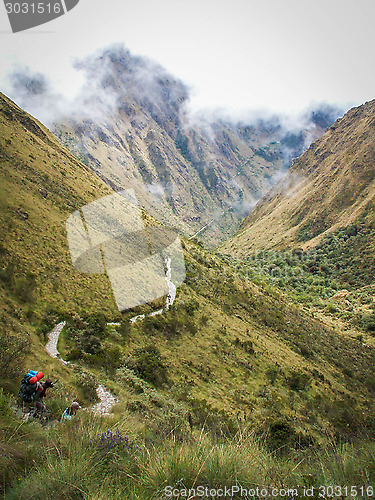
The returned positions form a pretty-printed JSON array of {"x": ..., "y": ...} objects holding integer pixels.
[{"x": 27, "y": 390}]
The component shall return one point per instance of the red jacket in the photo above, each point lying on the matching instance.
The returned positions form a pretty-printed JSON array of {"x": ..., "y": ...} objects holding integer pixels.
[{"x": 41, "y": 391}]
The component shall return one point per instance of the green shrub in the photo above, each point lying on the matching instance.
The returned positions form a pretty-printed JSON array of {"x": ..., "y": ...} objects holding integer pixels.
[
  {"x": 86, "y": 383},
  {"x": 304, "y": 350},
  {"x": 298, "y": 381},
  {"x": 109, "y": 359},
  {"x": 370, "y": 383},
  {"x": 4, "y": 404},
  {"x": 204, "y": 320},
  {"x": 147, "y": 363},
  {"x": 272, "y": 374},
  {"x": 74, "y": 354},
  {"x": 172, "y": 323},
  {"x": 7, "y": 274},
  {"x": 191, "y": 307},
  {"x": 369, "y": 323},
  {"x": 25, "y": 287},
  {"x": 13, "y": 348},
  {"x": 280, "y": 435},
  {"x": 97, "y": 325},
  {"x": 91, "y": 344},
  {"x": 124, "y": 328}
]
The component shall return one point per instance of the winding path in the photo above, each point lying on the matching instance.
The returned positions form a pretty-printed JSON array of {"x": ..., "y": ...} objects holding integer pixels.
[
  {"x": 53, "y": 338},
  {"x": 171, "y": 294},
  {"x": 107, "y": 399}
]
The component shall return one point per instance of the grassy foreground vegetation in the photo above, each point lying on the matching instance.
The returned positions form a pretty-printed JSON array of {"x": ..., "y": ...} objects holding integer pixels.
[
  {"x": 227, "y": 388},
  {"x": 91, "y": 457},
  {"x": 234, "y": 385}
]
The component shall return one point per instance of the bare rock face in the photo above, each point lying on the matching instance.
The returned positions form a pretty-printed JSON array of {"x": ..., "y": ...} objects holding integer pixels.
[{"x": 133, "y": 128}]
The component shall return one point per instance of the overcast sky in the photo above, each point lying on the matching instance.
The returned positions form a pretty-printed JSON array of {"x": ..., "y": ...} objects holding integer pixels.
[{"x": 280, "y": 55}]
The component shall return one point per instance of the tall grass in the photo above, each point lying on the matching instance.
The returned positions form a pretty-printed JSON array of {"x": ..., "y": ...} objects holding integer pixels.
[
  {"x": 65, "y": 461},
  {"x": 201, "y": 462},
  {"x": 345, "y": 464}
]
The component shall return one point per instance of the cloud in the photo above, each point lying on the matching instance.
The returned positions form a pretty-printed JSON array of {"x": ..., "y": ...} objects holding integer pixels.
[
  {"x": 110, "y": 77},
  {"x": 115, "y": 83},
  {"x": 113, "y": 79},
  {"x": 116, "y": 72},
  {"x": 34, "y": 93}
]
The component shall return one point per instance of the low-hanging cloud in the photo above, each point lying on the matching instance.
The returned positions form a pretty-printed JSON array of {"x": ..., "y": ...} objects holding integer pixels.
[
  {"x": 117, "y": 85},
  {"x": 112, "y": 76}
]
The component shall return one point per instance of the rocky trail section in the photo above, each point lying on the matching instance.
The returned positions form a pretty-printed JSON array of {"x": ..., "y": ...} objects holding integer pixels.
[
  {"x": 53, "y": 338},
  {"x": 107, "y": 399}
]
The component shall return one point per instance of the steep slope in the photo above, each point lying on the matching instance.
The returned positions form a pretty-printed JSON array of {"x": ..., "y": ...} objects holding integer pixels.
[
  {"x": 133, "y": 129},
  {"x": 332, "y": 185},
  {"x": 239, "y": 349},
  {"x": 41, "y": 185},
  {"x": 227, "y": 350}
]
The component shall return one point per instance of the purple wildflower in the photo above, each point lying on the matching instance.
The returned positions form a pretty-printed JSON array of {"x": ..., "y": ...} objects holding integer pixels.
[{"x": 110, "y": 441}]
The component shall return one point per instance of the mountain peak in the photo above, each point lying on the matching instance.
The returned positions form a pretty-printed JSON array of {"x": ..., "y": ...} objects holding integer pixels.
[{"x": 330, "y": 186}]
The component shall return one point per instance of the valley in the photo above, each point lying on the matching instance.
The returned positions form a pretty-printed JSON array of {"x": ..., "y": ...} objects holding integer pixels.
[
  {"x": 198, "y": 173},
  {"x": 259, "y": 371}
]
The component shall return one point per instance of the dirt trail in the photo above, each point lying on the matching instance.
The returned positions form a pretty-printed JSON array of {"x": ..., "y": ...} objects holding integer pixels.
[
  {"x": 170, "y": 298},
  {"x": 107, "y": 400},
  {"x": 53, "y": 338}
]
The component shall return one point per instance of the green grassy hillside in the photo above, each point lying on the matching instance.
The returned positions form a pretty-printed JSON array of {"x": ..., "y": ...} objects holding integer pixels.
[
  {"x": 313, "y": 236},
  {"x": 332, "y": 185},
  {"x": 41, "y": 185},
  {"x": 236, "y": 383}
]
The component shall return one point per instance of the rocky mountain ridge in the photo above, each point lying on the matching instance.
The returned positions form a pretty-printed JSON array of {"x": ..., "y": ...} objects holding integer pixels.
[
  {"x": 332, "y": 185},
  {"x": 133, "y": 127}
]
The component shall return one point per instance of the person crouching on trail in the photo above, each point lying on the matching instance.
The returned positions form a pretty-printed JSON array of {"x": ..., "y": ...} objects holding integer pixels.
[
  {"x": 70, "y": 411},
  {"x": 40, "y": 394}
]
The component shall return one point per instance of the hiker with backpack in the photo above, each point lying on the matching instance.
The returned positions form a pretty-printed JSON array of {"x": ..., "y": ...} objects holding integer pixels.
[
  {"x": 70, "y": 411},
  {"x": 32, "y": 390},
  {"x": 40, "y": 393}
]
